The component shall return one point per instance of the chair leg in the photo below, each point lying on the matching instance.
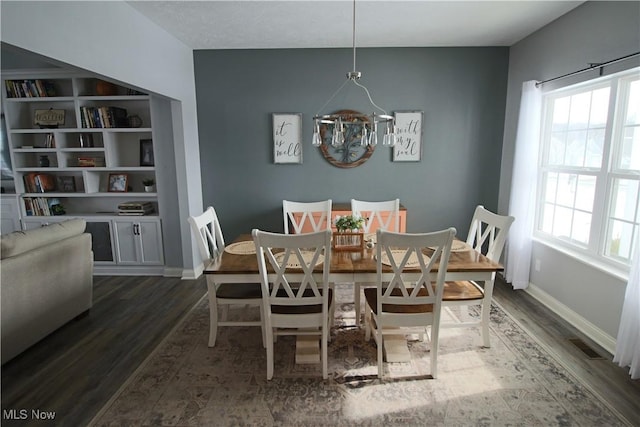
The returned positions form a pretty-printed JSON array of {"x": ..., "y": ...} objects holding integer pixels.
[
  {"x": 380, "y": 339},
  {"x": 485, "y": 320},
  {"x": 325, "y": 346},
  {"x": 486, "y": 312},
  {"x": 332, "y": 308},
  {"x": 434, "y": 359},
  {"x": 269, "y": 354},
  {"x": 213, "y": 313},
  {"x": 262, "y": 328},
  {"x": 356, "y": 301},
  {"x": 367, "y": 322}
]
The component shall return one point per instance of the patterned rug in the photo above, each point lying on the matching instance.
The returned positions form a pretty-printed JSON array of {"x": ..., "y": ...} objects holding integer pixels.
[{"x": 515, "y": 382}]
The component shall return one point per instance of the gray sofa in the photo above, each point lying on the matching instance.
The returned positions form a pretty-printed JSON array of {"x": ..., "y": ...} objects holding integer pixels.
[{"x": 46, "y": 280}]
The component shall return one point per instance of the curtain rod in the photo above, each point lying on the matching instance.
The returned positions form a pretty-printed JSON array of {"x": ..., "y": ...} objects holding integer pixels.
[{"x": 589, "y": 68}]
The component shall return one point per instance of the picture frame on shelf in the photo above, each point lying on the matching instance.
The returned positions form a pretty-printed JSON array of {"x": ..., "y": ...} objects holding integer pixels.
[
  {"x": 146, "y": 152},
  {"x": 118, "y": 182},
  {"x": 408, "y": 147},
  {"x": 66, "y": 184},
  {"x": 287, "y": 138}
]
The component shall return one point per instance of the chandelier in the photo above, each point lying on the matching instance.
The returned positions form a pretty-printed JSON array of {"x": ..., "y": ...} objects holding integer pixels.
[{"x": 369, "y": 131}]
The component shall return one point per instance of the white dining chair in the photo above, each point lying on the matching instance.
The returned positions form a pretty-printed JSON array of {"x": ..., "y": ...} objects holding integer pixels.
[
  {"x": 487, "y": 235},
  {"x": 383, "y": 215},
  {"x": 306, "y": 216},
  {"x": 409, "y": 300},
  {"x": 206, "y": 228},
  {"x": 295, "y": 300}
]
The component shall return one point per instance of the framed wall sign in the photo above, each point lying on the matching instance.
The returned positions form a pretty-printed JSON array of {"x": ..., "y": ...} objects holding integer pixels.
[
  {"x": 408, "y": 147},
  {"x": 287, "y": 138}
]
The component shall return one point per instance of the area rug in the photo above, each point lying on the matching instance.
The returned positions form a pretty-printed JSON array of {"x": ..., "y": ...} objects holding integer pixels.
[{"x": 513, "y": 383}]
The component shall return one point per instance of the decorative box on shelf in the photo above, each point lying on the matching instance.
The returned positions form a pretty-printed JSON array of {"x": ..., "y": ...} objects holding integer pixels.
[{"x": 348, "y": 241}]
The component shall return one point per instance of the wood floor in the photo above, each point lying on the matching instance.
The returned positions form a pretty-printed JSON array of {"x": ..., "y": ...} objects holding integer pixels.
[{"x": 75, "y": 371}]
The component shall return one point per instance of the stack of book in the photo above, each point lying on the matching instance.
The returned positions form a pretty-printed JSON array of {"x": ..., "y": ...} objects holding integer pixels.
[
  {"x": 104, "y": 117},
  {"x": 135, "y": 208}
]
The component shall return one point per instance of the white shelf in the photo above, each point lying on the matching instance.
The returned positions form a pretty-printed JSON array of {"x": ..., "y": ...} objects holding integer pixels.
[{"x": 42, "y": 99}]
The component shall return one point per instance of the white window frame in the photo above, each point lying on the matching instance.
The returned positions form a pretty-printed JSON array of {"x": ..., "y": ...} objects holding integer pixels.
[{"x": 593, "y": 252}]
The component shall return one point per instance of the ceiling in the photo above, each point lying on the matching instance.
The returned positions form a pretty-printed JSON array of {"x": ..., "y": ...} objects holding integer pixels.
[{"x": 263, "y": 24}]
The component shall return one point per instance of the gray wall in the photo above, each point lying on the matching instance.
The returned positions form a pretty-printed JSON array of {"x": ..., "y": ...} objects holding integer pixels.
[
  {"x": 593, "y": 32},
  {"x": 461, "y": 91}
]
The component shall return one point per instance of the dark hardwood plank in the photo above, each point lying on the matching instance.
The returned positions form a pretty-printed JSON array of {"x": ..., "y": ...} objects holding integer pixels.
[{"x": 74, "y": 371}]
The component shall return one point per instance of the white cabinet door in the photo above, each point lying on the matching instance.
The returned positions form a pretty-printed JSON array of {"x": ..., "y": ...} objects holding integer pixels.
[
  {"x": 150, "y": 238},
  {"x": 139, "y": 242}
]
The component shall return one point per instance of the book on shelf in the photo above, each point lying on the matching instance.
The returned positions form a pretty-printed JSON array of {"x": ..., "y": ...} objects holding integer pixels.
[
  {"x": 29, "y": 88},
  {"x": 104, "y": 117},
  {"x": 42, "y": 206},
  {"x": 39, "y": 182}
]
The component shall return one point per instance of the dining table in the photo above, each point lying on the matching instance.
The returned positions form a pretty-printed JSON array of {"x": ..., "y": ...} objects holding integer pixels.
[{"x": 238, "y": 263}]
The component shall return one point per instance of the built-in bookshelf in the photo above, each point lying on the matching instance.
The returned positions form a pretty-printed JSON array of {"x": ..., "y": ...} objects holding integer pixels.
[{"x": 80, "y": 150}]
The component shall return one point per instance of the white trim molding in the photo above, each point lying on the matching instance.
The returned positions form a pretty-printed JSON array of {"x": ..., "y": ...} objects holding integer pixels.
[
  {"x": 583, "y": 325},
  {"x": 192, "y": 274}
]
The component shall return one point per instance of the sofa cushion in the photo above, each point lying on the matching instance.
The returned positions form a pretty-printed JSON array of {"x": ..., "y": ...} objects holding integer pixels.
[{"x": 22, "y": 241}]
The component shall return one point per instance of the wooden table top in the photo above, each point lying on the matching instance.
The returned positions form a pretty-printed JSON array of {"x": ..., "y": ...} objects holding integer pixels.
[{"x": 348, "y": 262}]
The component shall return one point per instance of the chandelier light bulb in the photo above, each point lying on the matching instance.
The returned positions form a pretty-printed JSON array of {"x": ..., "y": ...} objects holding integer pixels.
[
  {"x": 373, "y": 136},
  {"x": 316, "y": 141},
  {"x": 364, "y": 138},
  {"x": 393, "y": 136}
]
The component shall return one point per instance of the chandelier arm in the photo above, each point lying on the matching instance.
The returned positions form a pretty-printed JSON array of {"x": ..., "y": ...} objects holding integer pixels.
[
  {"x": 332, "y": 96},
  {"x": 369, "y": 96}
]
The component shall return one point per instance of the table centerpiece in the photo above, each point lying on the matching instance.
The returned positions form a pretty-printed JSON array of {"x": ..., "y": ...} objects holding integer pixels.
[{"x": 349, "y": 235}]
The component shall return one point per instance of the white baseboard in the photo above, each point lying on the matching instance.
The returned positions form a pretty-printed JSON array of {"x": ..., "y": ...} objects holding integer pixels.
[
  {"x": 113, "y": 270},
  {"x": 173, "y": 272},
  {"x": 583, "y": 325},
  {"x": 192, "y": 274},
  {"x": 129, "y": 270}
]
